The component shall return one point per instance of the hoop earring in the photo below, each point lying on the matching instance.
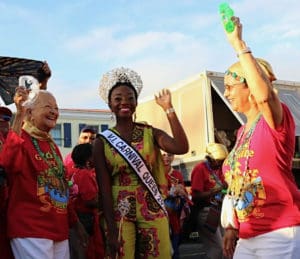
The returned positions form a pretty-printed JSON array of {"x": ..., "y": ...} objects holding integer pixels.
[{"x": 250, "y": 98}]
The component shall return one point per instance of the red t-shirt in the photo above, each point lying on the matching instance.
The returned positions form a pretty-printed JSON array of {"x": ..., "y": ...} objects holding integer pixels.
[
  {"x": 38, "y": 196},
  {"x": 87, "y": 189},
  {"x": 270, "y": 199},
  {"x": 175, "y": 177},
  {"x": 203, "y": 180}
]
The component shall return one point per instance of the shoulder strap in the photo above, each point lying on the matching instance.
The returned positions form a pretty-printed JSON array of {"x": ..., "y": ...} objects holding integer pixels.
[{"x": 135, "y": 160}]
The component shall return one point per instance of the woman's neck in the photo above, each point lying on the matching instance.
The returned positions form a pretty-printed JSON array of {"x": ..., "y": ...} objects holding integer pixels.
[
  {"x": 125, "y": 129},
  {"x": 251, "y": 117}
]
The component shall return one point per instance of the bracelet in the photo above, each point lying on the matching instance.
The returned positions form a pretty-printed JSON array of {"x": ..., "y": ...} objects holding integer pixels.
[
  {"x": 170, "y": 110},
  {"x": 244, "y": 51}
]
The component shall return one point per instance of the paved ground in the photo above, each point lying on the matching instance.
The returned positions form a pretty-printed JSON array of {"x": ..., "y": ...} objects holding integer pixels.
[{"x": 192, "y": 250}]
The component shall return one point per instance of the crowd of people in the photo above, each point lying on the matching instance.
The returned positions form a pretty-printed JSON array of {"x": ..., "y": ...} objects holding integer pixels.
[{"x": 116, "y": 195}]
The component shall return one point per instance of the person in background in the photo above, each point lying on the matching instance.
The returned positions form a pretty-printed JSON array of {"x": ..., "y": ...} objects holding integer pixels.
[
  {"x": 87, "y": 135},
  {"x": 207, "y": 183},
  {"x": 177, "y": 202},
  {"x": 35, "y": 174},
  {"x": 134, "y": 211},
  {"x": 5, "y": 117},
  {"x": 259, "y": 167},
  {"x": 84, "y": 195},
  {"x": 44, "y": 76}
]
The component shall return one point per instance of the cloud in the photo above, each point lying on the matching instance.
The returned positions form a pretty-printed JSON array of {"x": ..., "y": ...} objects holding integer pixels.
[
  {"x": 107, "y": 43},
  {"x": 165, "y": 41}
]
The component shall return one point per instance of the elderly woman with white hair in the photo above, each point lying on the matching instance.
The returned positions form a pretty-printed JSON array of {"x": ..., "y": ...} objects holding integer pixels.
[
  {"x": 266, "y": 200},
  {"x": 37, "y": 207}
]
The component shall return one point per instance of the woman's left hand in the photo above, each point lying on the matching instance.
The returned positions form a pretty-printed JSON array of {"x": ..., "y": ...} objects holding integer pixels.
[
  {"x": 235, "y": 37},
  {"x": 163, "y": 99}
]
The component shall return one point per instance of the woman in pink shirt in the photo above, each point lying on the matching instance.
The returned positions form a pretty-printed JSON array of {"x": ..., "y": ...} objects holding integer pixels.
[{"x": 258, "y": 169}]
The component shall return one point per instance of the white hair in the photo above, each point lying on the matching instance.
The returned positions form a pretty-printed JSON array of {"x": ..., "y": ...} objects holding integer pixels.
[{"x": 33, "y": 97}]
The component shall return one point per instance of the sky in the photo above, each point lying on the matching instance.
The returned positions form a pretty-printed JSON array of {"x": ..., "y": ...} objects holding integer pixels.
[{"x": 165, "y": 41}]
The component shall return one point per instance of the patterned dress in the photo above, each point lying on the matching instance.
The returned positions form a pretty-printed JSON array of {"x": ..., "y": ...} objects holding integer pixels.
[{"x": 144, "y": 229}]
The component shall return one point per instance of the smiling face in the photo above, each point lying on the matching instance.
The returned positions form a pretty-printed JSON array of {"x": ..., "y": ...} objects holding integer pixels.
[
  {"x": 44, "y": 112},
  {"x": 237, "y": 93},
  {"x": 167, "y": 159},
  {"x": 123, "y": 101}
]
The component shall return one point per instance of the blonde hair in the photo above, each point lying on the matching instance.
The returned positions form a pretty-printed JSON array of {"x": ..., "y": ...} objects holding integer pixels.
[
  {"x": 264, "y": 65},
  {"x": 216, "y": 151}
]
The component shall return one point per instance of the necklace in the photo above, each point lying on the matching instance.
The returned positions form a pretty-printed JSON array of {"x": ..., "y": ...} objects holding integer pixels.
[
  {"x": 57, "y": 170},
  {"x": 241, "y": 147},
  {"x": 214, "y": 174}
]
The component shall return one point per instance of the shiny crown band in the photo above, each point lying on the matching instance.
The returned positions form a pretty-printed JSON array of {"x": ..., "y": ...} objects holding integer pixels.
[{"x": 119, "y": 75}]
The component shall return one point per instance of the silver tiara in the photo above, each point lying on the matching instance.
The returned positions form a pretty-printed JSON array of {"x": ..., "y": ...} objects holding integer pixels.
[{"x": 119, "y": 75}]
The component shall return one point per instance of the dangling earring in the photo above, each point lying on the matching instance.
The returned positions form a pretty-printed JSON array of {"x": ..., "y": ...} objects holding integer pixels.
[
  {"x": 112, "y": 117},
  {"x": 134, "y": 117}
]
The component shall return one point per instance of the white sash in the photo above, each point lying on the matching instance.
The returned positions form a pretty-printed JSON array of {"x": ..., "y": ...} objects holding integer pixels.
[{"x": 135, "y": 160}]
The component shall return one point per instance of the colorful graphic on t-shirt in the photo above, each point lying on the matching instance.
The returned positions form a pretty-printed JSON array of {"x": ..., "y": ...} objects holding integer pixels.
[
  {"x": 245, "y": 184},
  {"x": 52, "y": 188}
]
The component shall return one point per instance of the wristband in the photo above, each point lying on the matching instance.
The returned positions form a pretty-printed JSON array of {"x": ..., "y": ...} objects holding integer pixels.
[
  {"x": 170, "y": 110},
  {"x": 244, "y": 51}
]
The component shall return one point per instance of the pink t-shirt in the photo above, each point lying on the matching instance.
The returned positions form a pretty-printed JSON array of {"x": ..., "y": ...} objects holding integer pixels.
[
  {"x": 69, "y": 164},
  {"x": 270, "y": 198}
]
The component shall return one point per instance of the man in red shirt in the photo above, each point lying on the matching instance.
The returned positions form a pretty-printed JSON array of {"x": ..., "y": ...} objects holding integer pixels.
[{"x": 87, "y": 135}]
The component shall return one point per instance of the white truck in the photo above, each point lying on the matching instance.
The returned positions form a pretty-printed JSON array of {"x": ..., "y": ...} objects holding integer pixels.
[{"x": 207, "y": 116}]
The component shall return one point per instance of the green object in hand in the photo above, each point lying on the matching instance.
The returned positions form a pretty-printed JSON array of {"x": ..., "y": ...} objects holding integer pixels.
[
  {"x": 226, "y": 13},
  {"x": 224, "y": 191}
]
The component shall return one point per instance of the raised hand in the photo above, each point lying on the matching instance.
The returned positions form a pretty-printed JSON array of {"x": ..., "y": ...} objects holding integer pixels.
[{"x": 163, "y": 99}]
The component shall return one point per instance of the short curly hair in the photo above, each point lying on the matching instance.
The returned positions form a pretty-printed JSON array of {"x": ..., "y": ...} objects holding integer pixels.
[{"x": 81, "y": 154}]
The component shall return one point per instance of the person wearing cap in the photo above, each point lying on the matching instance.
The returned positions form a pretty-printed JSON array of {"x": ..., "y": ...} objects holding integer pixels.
[
  {"x": 133, "y": 203},
  {"x": 87, "y": 135},
  {"x": 207, "y": 183},
  {"x": 5, "y": 117},
  {"x": 258, "y": 169}
]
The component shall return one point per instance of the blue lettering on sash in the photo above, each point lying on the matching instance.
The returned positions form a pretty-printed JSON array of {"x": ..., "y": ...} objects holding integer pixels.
[
  {"x": 150, "y": 182},
  {"x": 138, "y": 164},
  {"x": 112, "y": 138}
]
